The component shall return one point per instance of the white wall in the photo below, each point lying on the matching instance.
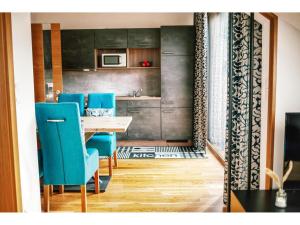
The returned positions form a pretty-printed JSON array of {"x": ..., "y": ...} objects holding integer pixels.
[
  {"x": 24, "y": 91},
  {"x": 287, "y": 85},
  {"x": 112, "y": 20}
]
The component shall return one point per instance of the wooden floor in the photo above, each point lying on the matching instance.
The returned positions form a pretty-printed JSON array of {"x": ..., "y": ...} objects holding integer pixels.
[{"x": 159, "y": 185}]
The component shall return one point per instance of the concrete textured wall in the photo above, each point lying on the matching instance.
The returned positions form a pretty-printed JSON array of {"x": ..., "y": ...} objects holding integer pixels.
[{"x": 122, "y": 82}]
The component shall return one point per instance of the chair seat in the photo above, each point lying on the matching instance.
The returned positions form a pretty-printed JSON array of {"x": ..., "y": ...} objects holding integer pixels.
[
  {"x": 106, "y": 144},
  {"x": 92, "y": 161}
]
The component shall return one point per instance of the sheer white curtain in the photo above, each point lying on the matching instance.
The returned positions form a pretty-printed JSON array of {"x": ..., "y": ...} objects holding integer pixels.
[{"x": 217, "y": 82}]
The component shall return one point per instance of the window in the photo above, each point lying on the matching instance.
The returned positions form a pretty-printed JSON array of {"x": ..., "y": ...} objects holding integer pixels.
[{"x": 217, "y": 82}]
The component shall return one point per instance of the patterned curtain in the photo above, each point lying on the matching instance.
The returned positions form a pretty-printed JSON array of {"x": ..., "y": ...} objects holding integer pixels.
[
  {"x": 242, "y": 148},
  {"x": 200, "y": 81}
]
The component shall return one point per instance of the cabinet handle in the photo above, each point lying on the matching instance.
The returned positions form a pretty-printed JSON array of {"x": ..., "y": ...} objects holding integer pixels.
[
  {"x": 168, "y": 111},
  {"x": 168, "y": 53},
  {"x": 142, "y": 44},
  {"x": 133, "y": 111},
  {"x": 167, "y": 102},
  {"x": 110, "y": 45}
]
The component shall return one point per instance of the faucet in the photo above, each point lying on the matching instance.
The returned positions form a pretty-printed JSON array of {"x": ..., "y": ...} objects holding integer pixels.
[{"x": 137, "y": 93}]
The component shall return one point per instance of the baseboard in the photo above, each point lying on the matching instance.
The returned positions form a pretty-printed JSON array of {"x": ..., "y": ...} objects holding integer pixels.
[{"x": 215, "y": 153}]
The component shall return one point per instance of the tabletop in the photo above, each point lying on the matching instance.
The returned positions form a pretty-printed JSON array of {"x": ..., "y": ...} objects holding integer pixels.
[
  {"x": 263, "y": 201},
  {"x": 106, "y": 124}
]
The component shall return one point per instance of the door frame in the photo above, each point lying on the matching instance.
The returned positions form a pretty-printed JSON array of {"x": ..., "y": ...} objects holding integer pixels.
[
  {"x": 273, "y": 19},
  {"x": 271, "y": 93},
  {"x": 10, "y": 194}
]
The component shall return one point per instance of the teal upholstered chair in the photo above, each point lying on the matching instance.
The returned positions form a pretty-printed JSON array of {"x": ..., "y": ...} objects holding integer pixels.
[
  {"x": 40, "y": 161},
  {"x": 70, "y": 97},
  {"x": 106, "y": 143},
  {"x": 66, "y": 160}
]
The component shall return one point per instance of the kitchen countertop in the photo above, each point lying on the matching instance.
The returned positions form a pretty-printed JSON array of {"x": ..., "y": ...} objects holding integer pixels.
[{"x": 126, "y": 98}]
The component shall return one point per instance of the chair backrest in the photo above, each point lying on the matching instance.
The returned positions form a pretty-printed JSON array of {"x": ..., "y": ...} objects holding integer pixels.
[
  {"x": 62, "y": 146},
  {"x": 70, "y": 97},
  {"x": 102, "y": 100}
]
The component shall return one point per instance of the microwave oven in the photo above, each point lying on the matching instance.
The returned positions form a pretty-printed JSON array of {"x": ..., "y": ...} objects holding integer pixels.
[{"x": 114, "y": 60}]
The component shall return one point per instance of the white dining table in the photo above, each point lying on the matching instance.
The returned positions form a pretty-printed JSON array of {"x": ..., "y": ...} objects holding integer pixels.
[{"x": 94, "y": 125}]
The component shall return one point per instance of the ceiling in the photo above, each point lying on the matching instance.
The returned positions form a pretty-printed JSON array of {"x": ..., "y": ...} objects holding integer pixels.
[{"x": 291, "y": 18}]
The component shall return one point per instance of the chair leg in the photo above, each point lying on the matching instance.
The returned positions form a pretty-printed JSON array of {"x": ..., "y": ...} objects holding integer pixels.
[
  {"x": 51, "y": 190},
  {"x": 83, "y": 198},
  {"x": 110, "y": 165},
  {"x": 97, "y": 182},
  {"x": 116, "y": 158},
  {"x": 46, "y": 198},
  {"x": 61, "y": 189}
]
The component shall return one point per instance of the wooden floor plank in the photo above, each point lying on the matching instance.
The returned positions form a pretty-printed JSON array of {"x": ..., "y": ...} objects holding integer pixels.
[{"x": 154, "y": 185}]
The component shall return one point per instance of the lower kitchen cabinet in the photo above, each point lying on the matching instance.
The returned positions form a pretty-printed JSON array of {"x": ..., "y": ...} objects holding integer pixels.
[
  {"x": 121, "y": 110},
  {"x": 176, "y": 123},
  {"x": 145, "y": 124}
]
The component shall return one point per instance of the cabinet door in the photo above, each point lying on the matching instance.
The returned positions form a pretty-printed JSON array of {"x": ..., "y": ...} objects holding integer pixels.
[
  {"x": 177, "y": 40},
  {"x": 144, "y": 103},
  {"x": 177, "y": 81},
  {"x": 144, "y": 38},
  {"x": 111, "y": 38},
  {"x": 121, "y": 110},
  {"x": 176, "y": 123},
  {"x": 145, "y": 124},
  {"x": 47, "y": 49},
  {"x": 77, "y": 49}
]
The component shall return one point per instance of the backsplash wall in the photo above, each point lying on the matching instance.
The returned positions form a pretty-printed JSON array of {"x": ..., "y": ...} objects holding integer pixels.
[{"x": 121, "y": 82}]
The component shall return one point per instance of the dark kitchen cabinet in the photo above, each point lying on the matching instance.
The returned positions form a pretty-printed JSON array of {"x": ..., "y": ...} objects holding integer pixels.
[
  {"x": 111, "y": 38},
  {"x": 121, "y": 110},
  {"x": 144, "y": 38},
  {"x": 77, "y": 49},
  {"x": 145, "y": 124},
  {"x": 155, "y": 103},
  {"x": 177, "y": 81},
  {"x": 47, "y": 49},
  {"x": 176, "y": 123},
  {"x": 177, "y": 40}
]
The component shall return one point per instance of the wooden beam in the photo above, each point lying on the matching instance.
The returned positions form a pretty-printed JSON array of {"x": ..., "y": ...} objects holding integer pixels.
[
  {"x": 10, "y": 193},
  {"x": 272, "y": 93},
  {"x": 38, "y": 62},
  {"x": 56, "y": 59}
]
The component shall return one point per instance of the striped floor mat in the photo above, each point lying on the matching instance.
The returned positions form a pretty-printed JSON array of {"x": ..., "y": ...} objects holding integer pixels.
[{"x": 160, "y": 153}]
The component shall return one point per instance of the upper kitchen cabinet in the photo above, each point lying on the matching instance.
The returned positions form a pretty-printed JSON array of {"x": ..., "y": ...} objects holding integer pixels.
[
  {"x": 47, "y": 49},
  {"x": 111, "y": 38},
  {"x": 77, "y": 49},
  {"x": 144, "y": 38},
  {"x": 177, "y": 40}
]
